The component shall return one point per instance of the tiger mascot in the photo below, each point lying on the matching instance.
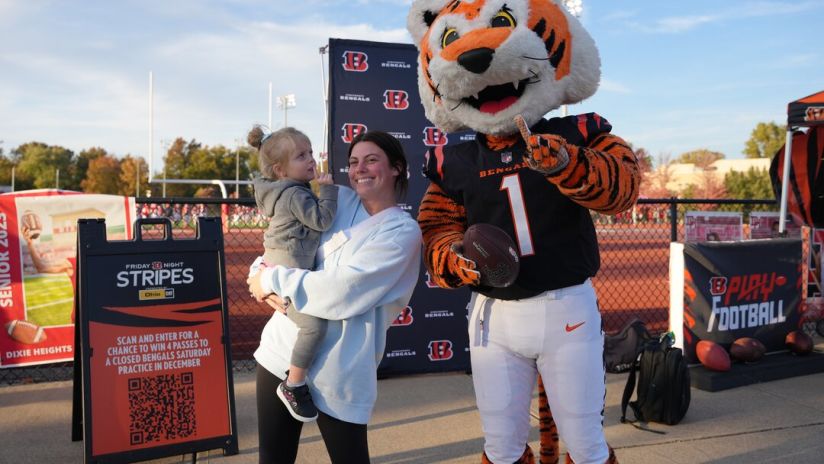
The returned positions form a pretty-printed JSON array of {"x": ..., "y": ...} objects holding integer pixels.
[{"x": 483, "y": 65}]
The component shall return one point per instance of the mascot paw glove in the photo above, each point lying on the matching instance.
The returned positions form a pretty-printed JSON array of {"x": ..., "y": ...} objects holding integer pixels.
[
  {"x": 462, "y": 267},
  {"x": 545, "y": 153}
]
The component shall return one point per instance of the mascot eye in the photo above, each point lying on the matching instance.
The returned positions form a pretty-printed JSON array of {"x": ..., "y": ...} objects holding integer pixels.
[
  {"x": 449, "y": 36},
  {"x": 502, "y": 19}
]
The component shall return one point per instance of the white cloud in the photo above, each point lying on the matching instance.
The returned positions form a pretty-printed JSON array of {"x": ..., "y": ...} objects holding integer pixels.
[
  {"x": 797, "y": 60},
  {"x": 613, "y": 86},
  {"x": 775, "y": 8},
  {"x": 678, "y": 24},
  {"x": 208, "y": 86}
]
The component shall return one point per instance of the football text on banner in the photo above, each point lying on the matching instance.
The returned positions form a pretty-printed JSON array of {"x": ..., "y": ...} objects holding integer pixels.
[{"x": 741, "y": 289}]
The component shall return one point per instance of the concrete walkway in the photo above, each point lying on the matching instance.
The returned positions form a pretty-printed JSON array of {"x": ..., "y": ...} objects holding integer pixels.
[{"x": 432, "y": 418}]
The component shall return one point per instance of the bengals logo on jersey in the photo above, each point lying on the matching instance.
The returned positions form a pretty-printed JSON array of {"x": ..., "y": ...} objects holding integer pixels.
[
  {"x": 404, "y": 318},
  {"x": 440, "y": 350},
  {"x": 355, "y": 61},
  {"x": 395, "y": 99},
  {"x": 434, "y": 137},
  {"x": 352, "y": 130}
]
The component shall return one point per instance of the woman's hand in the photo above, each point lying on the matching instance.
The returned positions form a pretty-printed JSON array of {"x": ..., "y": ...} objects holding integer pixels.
[{"x": 278, "y": 303}]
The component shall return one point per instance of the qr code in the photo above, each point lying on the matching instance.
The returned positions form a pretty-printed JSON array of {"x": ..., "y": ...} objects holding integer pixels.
[{"x": 161, "y": 408}]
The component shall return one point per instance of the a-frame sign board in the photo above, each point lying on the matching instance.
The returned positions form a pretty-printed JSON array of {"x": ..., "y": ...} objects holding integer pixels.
[{"x": 153, "y": 345}]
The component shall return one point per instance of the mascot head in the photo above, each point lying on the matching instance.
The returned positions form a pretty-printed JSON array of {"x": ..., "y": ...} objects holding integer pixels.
[{"x": 482, "y": 62}]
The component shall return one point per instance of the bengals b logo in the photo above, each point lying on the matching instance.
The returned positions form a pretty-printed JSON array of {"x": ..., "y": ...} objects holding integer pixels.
[
  {"x": 352, "y": 130},
  {"x": 433, "y": 137},
  {"x": 718, "y": 285},
  {"x": 440, "y": 350},
  {"x": 355, "y": 61},
  {"x": 404, "y": 318},
  {"x": 395, "y": 100}
]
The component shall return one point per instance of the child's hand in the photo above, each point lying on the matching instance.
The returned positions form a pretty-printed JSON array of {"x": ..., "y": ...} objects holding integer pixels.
[
  {"x": 257, "y": 266},
  {"x": 324, "y": 178}
]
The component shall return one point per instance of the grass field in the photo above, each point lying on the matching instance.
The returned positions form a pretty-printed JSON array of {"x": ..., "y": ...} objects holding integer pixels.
[{"x": 49, "y": 299}]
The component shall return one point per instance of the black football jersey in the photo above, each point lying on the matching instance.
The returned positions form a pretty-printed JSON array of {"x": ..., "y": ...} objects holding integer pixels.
[{"x": 554, "y": 236}]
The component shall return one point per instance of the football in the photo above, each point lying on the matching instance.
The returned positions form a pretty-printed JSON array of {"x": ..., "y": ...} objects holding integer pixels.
[
  {"x": 747, "y": 349},
  {"x": 799, "y": 342},
  {"x": 494, "y": 253},
  {"x": 31, "y": 221},
  {"x": 25, "y": 332},
  {"x": 713, "y": 356}
]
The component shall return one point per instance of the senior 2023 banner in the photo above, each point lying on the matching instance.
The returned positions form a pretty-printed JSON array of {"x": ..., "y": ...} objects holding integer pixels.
[{"x": 38, "y": 240}]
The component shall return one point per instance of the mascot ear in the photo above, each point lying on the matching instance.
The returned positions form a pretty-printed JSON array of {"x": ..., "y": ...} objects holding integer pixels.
[{"x": 421, "y": 16}]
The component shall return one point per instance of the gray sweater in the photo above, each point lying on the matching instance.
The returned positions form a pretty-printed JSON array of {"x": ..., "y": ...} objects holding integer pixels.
[{"x": 297, "y": 218}]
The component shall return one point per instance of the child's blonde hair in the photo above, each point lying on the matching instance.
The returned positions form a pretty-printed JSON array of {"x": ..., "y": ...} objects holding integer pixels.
[{"x": 274, "y": 148}]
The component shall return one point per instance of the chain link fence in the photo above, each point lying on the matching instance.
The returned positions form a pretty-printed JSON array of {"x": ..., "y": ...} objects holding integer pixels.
[{"x": 633, "y": 280}]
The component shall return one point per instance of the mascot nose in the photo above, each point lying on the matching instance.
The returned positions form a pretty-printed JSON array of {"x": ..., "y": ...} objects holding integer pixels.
[{"x": 476, "y": 60}]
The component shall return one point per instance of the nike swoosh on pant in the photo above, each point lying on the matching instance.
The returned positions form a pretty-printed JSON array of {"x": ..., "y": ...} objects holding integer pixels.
[{"x": 570, "y": 328}]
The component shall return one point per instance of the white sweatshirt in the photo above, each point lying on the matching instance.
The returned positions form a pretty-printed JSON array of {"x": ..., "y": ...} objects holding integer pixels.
[{"x": 361, "y": 284}]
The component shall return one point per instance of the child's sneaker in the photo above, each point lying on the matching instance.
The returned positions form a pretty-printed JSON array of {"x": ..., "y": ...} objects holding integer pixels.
[{"x": 298, "y": 401}]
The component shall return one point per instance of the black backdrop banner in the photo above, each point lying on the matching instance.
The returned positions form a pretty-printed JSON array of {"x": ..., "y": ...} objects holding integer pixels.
[
  {"x": 374, "y": 86},
  {"x": 741, "y": 289}
]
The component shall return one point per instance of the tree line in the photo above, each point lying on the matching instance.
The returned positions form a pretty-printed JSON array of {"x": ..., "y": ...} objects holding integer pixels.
[{"x": 36, "y": 165}]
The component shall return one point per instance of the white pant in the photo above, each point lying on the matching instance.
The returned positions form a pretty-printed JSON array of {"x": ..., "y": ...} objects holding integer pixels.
[{"x": 558, "y": 334}]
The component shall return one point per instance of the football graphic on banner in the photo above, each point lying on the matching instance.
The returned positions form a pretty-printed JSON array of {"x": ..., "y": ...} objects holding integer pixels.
[{"x": 25, "y": 332}]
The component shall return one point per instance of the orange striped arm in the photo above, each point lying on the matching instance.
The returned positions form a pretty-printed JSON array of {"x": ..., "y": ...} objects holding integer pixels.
[
  {"x": 443, "y": 222},
  {"x": 604, "y": 176}
]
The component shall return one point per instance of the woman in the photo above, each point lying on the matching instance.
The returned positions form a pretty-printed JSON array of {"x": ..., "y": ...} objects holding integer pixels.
[{"x": 367, "y": 268}]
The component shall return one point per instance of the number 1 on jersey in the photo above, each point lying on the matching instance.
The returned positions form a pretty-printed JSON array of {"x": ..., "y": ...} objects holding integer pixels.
[{"x": 512, "y": 185}]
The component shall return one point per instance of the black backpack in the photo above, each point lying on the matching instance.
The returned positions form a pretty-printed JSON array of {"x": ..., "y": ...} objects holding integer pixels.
[
  {"x": 621, "y": 350},
  {"x": 663, "y": 393}
]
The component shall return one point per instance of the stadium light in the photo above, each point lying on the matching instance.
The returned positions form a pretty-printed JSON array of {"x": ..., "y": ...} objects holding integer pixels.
[
  {"x": 286, "y": 102},
  {"x": 575, "y": 7}
]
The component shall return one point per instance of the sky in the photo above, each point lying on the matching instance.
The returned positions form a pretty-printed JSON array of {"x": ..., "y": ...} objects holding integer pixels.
[{"x": 676, "y": 76}]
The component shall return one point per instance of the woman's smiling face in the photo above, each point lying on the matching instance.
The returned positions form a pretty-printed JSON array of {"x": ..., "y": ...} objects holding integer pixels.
[{"x": 370, "y": 173}]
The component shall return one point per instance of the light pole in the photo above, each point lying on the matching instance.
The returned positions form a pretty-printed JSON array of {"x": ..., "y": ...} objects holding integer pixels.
[
  {"x": 165, "y": 143},
  {"x": 286, "y": 102},
  {"x": 322, "y": 51},
  {"x": 269, "y": 127},
  {"x": 239, "y": 143}
]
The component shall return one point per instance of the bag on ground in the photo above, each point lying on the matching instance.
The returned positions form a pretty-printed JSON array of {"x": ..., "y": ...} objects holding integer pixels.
[
  {"x": 621, "y": 350},
  {"x": 663, "y": 393}
]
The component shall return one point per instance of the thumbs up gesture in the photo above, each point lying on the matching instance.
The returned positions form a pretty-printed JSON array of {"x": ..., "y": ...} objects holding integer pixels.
[{"x": 545, "y": 153}]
